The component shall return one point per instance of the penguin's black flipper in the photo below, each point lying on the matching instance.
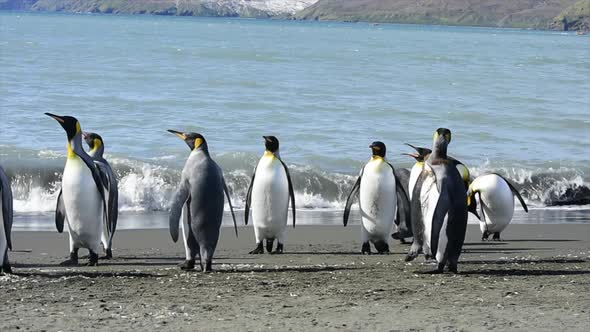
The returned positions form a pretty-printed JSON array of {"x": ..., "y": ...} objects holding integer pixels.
[
  {"x": 231, "y": 208},
  {"x": 60, "y": 213},
  {"x": 291, "y": 192},
  {"x": 516, "y": 193},
  {"x": 483, "y": 215},
  {"x": 249, "y": 199},
  {"x": 110, "y": 184},
  {"x": 181, "y": 196},
  {"x": 7, "y": 211},
  {"x": 403, "y": 219},
  {"x": 100, "y": 185},
  {"x": 350, "y": 199}
]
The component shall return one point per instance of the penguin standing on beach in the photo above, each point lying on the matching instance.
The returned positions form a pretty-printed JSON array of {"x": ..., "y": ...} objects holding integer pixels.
[
  {"x": 380, "y": 192},
  {"x": 81, "y": 200},
  {"x": 198, "y": 201},
  {"x": 439, "y": 207},
  {"x": 402, "y": 217},
  {"x": 6, "y": 215},
  {"x": 96, "y": 145},
  {"x": 496, "y": 202},
  {"x": 268, "y": 197}
]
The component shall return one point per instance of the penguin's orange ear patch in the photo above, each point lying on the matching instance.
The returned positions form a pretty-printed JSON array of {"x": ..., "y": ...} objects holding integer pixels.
[
  {"x": 198, "y": 142},
  {"x": 377, "y": 148}
]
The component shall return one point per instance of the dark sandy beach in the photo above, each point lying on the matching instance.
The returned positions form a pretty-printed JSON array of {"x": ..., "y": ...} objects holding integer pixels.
[{"x": 537, "y": 279}]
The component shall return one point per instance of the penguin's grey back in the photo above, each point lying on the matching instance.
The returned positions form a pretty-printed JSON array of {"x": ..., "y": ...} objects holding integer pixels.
[{"x": 205, "y": 180}]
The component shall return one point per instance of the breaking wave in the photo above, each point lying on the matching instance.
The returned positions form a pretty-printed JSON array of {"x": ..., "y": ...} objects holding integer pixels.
[{"x": 149, "y": 185}]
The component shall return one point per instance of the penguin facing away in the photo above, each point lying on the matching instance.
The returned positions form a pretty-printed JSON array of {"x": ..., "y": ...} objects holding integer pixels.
[
  {"x": 439, "y": 207},
  {"x": 268, "y": 197},
  {"x": 6, "y": 215},
  {"x": 198, "y": 201},
  {"x": 379, "y": 191},
  {"x": 109, "y": 179},
  {"x": 81, "y": 201},
  {"x": 496, "y": 202}
]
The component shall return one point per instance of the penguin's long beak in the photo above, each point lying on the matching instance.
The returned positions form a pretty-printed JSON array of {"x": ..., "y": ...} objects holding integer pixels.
[
  {"x": 178, "y": 133},
  {"x": 266, "y": 138},
  {"x": 56, "y": 117},
  {"x": 413, "y": 155}
]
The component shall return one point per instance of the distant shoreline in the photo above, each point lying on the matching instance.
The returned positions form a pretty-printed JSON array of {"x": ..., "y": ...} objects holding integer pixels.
[
  {"x": 566, "y": 16},
  {"x": 287, "y": 19}
]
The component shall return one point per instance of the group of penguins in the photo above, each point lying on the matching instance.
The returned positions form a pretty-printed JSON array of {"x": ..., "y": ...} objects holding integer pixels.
[{"x": 428, "y": 203}]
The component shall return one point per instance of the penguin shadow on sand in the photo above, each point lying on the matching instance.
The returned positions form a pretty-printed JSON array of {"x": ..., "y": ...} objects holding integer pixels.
[{"x": 74, "y": 272}]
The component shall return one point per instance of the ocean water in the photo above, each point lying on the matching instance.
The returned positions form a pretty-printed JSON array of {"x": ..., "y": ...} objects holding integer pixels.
[{"x": 517, "y": 102}]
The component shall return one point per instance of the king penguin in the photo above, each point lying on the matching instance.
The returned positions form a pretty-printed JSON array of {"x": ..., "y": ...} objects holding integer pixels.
[
  {"x": 379, "y": 192},
  {"x": 439, "y": 207},
  {"x": 198, "y": 201},
  {"x": 268, "y": 197},
  {"x": 81, "y": 200},
  {"x": 96, "y": 145},
  {"x": 496, "y": 202},
  {"x": 6, "y": 215}
]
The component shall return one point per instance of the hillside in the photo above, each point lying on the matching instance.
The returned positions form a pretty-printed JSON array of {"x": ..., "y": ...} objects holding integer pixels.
[
  {"x": 533, "y": 14},
  {"x": 575, "y": 17},
  {"x": 243, "y": 8},
  {"x": 537, "y": 14}
]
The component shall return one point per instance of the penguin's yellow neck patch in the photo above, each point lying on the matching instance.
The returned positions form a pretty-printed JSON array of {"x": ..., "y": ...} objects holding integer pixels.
[
  {"x": 268, "y": 154},
  {"x": 71, "y": 153},
  {"x": 78, "y": 127},
  {"x": 375, "y": 158},
  {"x": 420, "y": 163},
  {"x": 198, "y": 142},
  {"x": 97, "y": 144}
]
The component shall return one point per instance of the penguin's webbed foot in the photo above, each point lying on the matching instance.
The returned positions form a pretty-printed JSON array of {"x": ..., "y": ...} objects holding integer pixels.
[
  {"x": 496, "y": 237},
  {"x": 382, "y": 247},
  {"x": 453, "y": 268},
  {"x": 484, "y": 236},
  {"x": 6, "y": 268},
  {"x": 269, "y": 244},
  {"x": 189, "y": 264},
  {"x": 92, "y": 259},
  {"x": 439, "y": 269},
  {"x": 108, "y": 254},
  {"x": 427, "y": 257},
  {"x": 366, "y": 249},
  {"x": 259, "y": 249},
  {"x": 208, "y": 267},
  {"x": 72, "y": 261},
  {"x": 279, "y": 249}
]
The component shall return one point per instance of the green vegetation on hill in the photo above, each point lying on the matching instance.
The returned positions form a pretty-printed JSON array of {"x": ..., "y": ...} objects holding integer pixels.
[
  {"x": 575, "y": 17},
  {"x": 537, "y": 14}
]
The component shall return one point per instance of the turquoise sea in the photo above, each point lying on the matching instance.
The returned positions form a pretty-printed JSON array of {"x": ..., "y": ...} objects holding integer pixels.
[{"x": 517, "y": 102}]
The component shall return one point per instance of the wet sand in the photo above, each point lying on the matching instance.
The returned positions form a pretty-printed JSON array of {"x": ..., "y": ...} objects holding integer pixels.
[{"x": 538, "y": 278}]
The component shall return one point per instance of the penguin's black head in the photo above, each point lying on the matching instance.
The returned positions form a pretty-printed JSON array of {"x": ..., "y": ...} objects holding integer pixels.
[
  {"x": 378, "y": 149},
  {"x": 93, "y": 140},
  {"x": 420, "y": 154},
  {"x": 69, "y": 123},
  {"x": 193, "y": 140},
  {"x": 441, "y": 140},
  {"x": 271, "y": 143},
  {"x": 442, "y": 134}
]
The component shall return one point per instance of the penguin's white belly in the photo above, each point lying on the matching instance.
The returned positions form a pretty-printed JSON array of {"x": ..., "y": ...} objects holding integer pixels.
[
  {"x": 414, "y": 174},
  {"x": 377, "y": 200},
  {"x": 429, "y": 196},
  {"x": 83, "y": 204},
  {"x": 498, "y": 202},
  {"x": 270, "y": 198}
]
